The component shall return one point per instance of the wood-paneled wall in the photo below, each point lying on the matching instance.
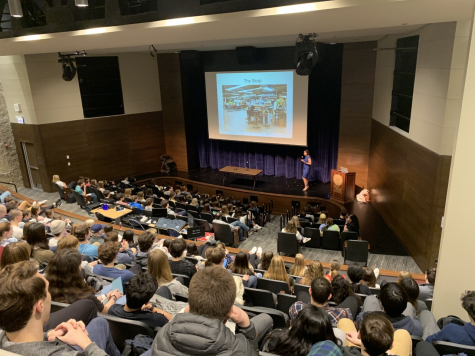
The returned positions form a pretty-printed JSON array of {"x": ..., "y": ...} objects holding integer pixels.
[
  {"x": 358, "y": 74},
  {"x": 172, "y": 108},
  {"x": 101, "y": 148},
  {"x": 408, "y": 185}
]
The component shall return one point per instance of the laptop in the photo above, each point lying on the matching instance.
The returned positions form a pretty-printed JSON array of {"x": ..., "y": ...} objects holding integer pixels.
[
  {"x": 195, "y": 232},
  {"x": 159, "y": 212}
]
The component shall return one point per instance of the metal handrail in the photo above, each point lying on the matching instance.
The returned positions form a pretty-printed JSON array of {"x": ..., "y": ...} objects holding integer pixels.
[{"x": 16, "y": 190}]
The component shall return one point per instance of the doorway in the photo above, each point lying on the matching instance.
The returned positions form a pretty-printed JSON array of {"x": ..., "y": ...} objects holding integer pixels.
[{"x": 31, "y": 161}]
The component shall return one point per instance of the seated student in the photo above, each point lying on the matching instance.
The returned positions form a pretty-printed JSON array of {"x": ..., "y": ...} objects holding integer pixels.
[
  {"x": 149, "y": 204},
  {"x": 165, "y": 205},
  {"x": 108, "y": 197},
  {"x": 107, "y": 255},
  {"x": 134, "y": 203},
  {"x": 6, "y": 234},
  {"x": 97, "y": 232},
  {"x": 49, "y": 213},
  {"x": 201, "y": 329},
  {"x": 128, "y": 236},
  {"x": 81, "y": 190},
  {"x": 320, "y": 293},
  {"x": 15, "y": 252},
  {"x": 125, "y": 255},
  {"x": 393, "y": 303},
  {"x": 242, "y": 266},
  {"x": 25, "y": 306},
  {"x": 120, "y": 199},
  {"x": 356, "y": 274},
  {"x": 370, "y": 277},
  {"x": 291, "y": 228},
  {"x": 159, "y": 268},
  {"x": 376, "y": 337},
  {"x": 35, "y": 235},
  {"x": 26, "y": 216},
  {"x": 177, "y": 264},
  {"x": 352, "y": 224},
  {"x": 236, "y": 225},
  {"x": 140, "y": 290},
  {"x": 278, "y": 272},
  {"x": 67, "y": 285},
  {"x": 146, "y": 241},
  {"x": 58, "y": 229},
  {"x": 426, "y": 290},
  {"x": 298, "y": 340},
  {"x": 83, "y": 234},
  {"x": 140, "y": 197},
  {"x": 334, "y": 268},
  {"x": 329, "y": 225},
  {"x": 3, "y": 214},
  {"x": 314, "y": 270},
  {"x": 15, "y": 219},
  {"x": 459, "y": 334}
]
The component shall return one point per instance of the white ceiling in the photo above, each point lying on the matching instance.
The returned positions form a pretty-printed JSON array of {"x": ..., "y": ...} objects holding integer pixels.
[{"x": 334, "y": 21}]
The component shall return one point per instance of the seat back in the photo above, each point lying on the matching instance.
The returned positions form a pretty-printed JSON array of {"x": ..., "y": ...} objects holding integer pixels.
[
  {"x": 186, "y": 279},
  {"x": 208, "y": 217},
  {"x": 362, "y": 296},
  {"x": 273, "y": 285},
  {"x": 147, "y": 213},
  {"x": 331, "y": 240},
  {"x": 56, "y": 306},
  {"x": 60, "y": 191},
  {"x": 123, "y": 329},
  {"x": 357, "y": 251},
  {"x": 183, "y": 218},
  {"x": 192, "y": 208},
  {"x": 339, "y": 221},
  {"x": 347, "y": 235},
  {"x": 374, "y": 291},
  {"x": 194, "y": 213},
  {"x": 99, "y": 194},
  {"x": 192, "y": 260},
  {"x": 415, "y": 341},
  {"x": 285, "y": 301},
  {"x": 314, "y": 235},
  {"x": 181, "y": 298},
  {"x": 79, "y": 199},
  {"x": 223, "y": 233},
  {"x": 300, "y": 288},
  {"x": 230, "y": 220},
  {"x": 136, "y": 225},
  {"x": 260, "y": 297},
  {"x": 429, "y": 304},
  {"x": 450, "y": 348},
  {"x": 287, "y": 243},
  {"x": 180, "y": 205},
  {"x": 279, "y": 318},
  {"x": 305, "y": 224},
  {"x": 201, "y": 222}
]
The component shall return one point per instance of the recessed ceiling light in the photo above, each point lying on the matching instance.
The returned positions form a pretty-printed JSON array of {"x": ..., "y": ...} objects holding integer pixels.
[
  {"x": 292, "y": 9},
  {"x": 95, "y": 31},
  {"x": 181, "y": 21},
  {"x": 82, "y": 3},
  {"x": 31, "y": 38},
  {"x": 15, "y": 8}
]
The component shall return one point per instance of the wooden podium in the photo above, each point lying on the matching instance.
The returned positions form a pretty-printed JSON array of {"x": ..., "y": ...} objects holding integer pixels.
[{"x": 343, "y": 186}]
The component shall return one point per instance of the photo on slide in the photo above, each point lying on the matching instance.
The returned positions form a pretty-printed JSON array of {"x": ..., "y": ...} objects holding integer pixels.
[{"x": 255, "y": 110}]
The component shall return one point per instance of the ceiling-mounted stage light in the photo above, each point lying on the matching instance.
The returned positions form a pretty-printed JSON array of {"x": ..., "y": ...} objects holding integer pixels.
[
  {"x": 15, "y": 8},
  {"x": 69, "y": 71},
  {"x": 306, "y": 55},
  {"x": 82, "y": 3}
]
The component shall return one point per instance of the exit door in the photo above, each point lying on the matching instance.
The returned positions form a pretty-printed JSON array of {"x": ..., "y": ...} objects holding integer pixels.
[{"x": 31, "y": 161}]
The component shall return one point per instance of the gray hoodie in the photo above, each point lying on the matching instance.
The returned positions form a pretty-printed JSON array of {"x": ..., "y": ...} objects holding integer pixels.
[{"x": 47, "y": 348}]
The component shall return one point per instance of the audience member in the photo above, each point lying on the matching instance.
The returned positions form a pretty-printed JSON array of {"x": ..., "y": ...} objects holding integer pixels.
[
  {"x": 15, "y": 219},
  {"x": 177, "y": 264},
  {"x": 135, "y": 204},
  {"x": 298, "y": 269},
  {"x": 146, "y": 241},
  {"x": 36, "y": 237},
  {"x": 234, "y": 226},
  {"x": 427, "y": 289},
  {"x": 107, "y": 255},
  {"x": 356, "y": 274},
  {"x": 149, "y": 204},
  {"x": 370, "y": 277},
  {"x": 412, "y": 290},
  {"x": 312, "y": 325},
  {"x": 291, "y": 228},
  {"x": 314, "y": 270},
  {"x": 320, "y": 293},
  {"x": 3, "y": 214},
  {"x": 341, "y": 291},
  {"x": 242, "y": 266},
  {"x": 159, "y": 268},
  {"x": 25, "y": 306},
  {"x": 192, "y": 251},
  {"x": 266, "y": 260},
  {"x": 97, "y": 232},
  {"x": 15, "y": 252},
  {"x": 80, "y": 188},
  {"x": 66, "y": 284},
  {"x": 82, "y": 233},
  {"x": 278, "y": 272},
  {"x": 459, "y": 334},
  {"x": 329, "y": 225},
  {"x": 393, "y": 303},
  {"x": 6, "y": 234},
  {"x": 334, "y": 268},
  {"x": 125, "y": 255},
  {"x": 129, "y": 237},
  {"x": 140, "y": 290},
  {"x": 211, "y": 302},
  {"x": 404, "y": 274},
  {"x": 68, "y": 241},
  {"x": 352, "y": 224},
  {"x": 58, "y": 229}
]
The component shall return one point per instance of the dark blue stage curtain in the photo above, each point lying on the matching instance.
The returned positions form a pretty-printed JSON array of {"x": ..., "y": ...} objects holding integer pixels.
[{"x": 324, "y": 94}]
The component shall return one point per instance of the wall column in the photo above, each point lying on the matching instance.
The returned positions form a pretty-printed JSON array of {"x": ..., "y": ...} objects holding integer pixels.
[{"x": 455, "y": 272}]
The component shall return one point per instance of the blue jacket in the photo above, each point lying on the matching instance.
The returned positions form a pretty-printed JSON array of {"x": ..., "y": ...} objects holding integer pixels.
[{"x": 458, "y": 334}]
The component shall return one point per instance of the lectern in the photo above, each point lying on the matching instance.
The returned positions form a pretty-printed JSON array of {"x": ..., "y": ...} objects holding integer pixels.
[{"x": 343, "y": 186}]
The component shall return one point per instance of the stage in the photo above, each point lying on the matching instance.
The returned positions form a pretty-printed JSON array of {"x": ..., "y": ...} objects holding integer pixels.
[{"x": 282, "y": 191}]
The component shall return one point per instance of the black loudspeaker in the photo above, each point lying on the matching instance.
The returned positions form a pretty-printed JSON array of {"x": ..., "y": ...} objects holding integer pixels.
[
  {"x": 191, "y": 59},
  {"x": 246, "y": 55}
]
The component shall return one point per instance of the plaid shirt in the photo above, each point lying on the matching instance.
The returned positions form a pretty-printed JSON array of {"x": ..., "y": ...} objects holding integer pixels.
[
  {"x": 335, "y": 313},
  {"x": 325, "y": 348}
]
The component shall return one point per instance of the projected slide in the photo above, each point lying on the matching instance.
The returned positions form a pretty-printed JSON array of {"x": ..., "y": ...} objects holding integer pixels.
[{"x": 255, "y": 104}]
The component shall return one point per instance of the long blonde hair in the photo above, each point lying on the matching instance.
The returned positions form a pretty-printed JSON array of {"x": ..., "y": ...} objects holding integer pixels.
[
  {"x": 55, "y": 178},
  {"x": 295, "y": 220},
  {"x": 404, "y": 274},
  {"x": 128, "y": 193},
  {"x": 298, "y": 268},
  {"x": 158, "y": 267},
  {"x": 277, "y": 270},
  {"x": 314, "y": 270},
  {"x": 334, "y": 268}
]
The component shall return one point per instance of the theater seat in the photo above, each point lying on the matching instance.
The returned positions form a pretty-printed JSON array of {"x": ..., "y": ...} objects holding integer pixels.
[{"x": 450, "y": 348}]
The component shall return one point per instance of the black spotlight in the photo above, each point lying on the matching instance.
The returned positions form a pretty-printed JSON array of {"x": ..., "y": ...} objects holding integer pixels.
[
  {"x": 67, "y": 61},
  {"x": 306, "y": 55}
]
